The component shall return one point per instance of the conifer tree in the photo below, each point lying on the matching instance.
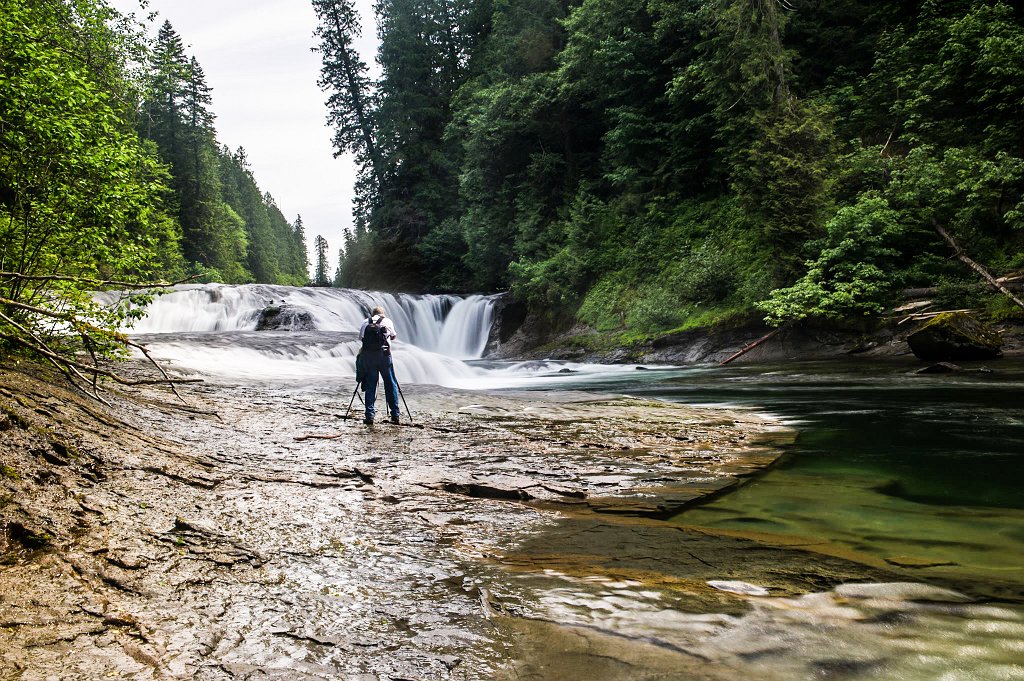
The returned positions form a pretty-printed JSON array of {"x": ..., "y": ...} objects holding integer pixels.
[
  {"x": 300, "y": 258},
  {"x": 320, "y": 276},
  {"x": 351, "y": 97},
  {"x": 179, "y": 119}
]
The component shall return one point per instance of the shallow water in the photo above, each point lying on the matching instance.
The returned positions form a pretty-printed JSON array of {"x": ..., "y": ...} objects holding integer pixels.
[
  {"x": 915, "y": 474},
  {"x": 918, "y": 474},
  {"x": 922, "y": 471}
]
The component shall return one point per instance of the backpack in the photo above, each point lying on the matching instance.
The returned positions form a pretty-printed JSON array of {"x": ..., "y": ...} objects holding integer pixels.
[{"x": 375, "y": 337}]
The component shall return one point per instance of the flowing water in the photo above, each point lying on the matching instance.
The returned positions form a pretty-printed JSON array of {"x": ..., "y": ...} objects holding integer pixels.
[
  {"x": 919, "y": 473},
  {"x": 922, "y": 471}
]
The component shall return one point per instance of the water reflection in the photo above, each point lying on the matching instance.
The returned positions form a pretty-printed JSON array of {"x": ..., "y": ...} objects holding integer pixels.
[{"x": 923, "y": 472}]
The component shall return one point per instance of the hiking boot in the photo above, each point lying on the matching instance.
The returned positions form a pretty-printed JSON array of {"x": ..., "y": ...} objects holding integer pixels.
[
  {"x": 394, "y": 419},
  {"x": 367, "y": 422}
]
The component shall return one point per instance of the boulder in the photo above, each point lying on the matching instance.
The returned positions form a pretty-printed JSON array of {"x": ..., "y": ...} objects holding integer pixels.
[
  {"x": 955, "y": 336},
  {"x": 285, "y": 318},
  {"x": 940, "y": 368}
]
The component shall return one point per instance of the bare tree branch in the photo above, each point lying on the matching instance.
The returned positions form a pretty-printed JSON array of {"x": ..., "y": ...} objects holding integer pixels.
[{"x": 959, "y": 253}]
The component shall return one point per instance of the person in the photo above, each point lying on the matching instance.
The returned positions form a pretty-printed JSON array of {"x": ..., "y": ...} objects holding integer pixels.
[{"x": 376, "y": 334}]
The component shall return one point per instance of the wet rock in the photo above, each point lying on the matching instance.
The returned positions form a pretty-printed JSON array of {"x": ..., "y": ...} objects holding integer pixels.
[
  {"x": 840, "y": 668},
  {"x": 509, "y": 316},
  {"x": 940, "y": 368},
  {"x": 955, "y": 336},
  {"x": 915, "y": 562},
  {"x": 307, "y": 637},
  {"x": 738, "y": 587},
  {"x": 285, "y": 318},
  {"x": 487, "y": 491}
]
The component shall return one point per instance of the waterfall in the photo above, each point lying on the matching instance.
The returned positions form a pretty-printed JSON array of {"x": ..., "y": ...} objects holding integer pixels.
[
  {"x": 209, "y": 330},
  {"x": 446, "y": 324},
  {"x": 465, "y": 331}
]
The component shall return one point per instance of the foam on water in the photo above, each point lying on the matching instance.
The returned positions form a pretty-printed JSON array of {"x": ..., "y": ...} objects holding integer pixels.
[{"x": 209, "y": 330}]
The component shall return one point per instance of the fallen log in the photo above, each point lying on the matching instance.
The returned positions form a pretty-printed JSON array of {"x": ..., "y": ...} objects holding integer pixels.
[
  {"x": 917, "y": 316},
  {"x": 750, "y": 347},
  {"x": 964, "y": 258}
]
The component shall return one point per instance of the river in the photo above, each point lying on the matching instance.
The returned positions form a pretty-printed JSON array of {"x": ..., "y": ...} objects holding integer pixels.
[{"x": 918, "y": 473}]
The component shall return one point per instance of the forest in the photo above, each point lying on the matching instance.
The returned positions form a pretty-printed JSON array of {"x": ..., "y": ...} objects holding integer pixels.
[
  {"x": 95, "y": 111},
  {"x": 639, "y": 167},
  {"x": 643, "y": 166},
  {"x": 111, "y": 176}
]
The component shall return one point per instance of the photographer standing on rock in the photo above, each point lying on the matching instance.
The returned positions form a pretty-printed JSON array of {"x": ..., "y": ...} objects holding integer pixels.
[{"x": 376, "y": 333}]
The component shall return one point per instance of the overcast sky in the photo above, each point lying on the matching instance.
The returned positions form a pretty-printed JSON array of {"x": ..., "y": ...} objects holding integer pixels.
[{"x": 256, "y": 56}]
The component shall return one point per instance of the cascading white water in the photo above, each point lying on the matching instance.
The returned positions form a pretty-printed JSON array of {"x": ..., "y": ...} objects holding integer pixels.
[
  {"x": 211, "y": 330},
  {"x": 460, "y": 335},
  {"x": 446, "y": 324}
]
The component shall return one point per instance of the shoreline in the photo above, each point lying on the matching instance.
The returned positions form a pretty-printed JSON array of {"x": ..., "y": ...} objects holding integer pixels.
[
  {"x": 164, "y": 541},
  {"x": 172, "y": 543},
  {"x": 529, "y": 338}
]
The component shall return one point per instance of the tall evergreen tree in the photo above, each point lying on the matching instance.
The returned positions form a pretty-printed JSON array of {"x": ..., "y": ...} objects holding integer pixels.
[
  {"x": 178, "y": 118},
  {"x": 320, "y": 277},
  {"x": 300, "y": 256},
  {"x": 351, "y": 99}
]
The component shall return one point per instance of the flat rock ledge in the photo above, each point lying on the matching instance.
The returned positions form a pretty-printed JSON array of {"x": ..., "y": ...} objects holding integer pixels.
[
  {"x": 281, "y": 538},
  {"x": 613, "y": 455}
]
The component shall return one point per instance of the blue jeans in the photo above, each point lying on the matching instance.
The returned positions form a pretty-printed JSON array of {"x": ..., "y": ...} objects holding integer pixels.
[{"x": 378, "y": 364}]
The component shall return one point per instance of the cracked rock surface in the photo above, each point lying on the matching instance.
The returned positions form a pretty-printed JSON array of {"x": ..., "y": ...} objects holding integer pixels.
[{"x": 280, "y": 539}]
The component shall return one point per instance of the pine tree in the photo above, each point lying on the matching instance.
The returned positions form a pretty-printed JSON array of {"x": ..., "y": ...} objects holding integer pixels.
[
  {"x": 300, "y": 258},
  {"x": 351, "y": 98},
  {"x": 320, "y": 277}
]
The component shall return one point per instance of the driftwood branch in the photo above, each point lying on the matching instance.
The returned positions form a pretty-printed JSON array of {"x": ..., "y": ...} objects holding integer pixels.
[
  {"x": 750, "y": 347},
  {"x": 76, "y": 372},
  {"x": 46, "y": 352},
  {"x": 917, "y": 316},
  {"x": 959, "y": 253}
]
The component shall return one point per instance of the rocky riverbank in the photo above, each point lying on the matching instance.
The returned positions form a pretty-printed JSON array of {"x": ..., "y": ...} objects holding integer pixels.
[
  {"x": 259, "y": 533},
  {"x": 529, "y": 336}
]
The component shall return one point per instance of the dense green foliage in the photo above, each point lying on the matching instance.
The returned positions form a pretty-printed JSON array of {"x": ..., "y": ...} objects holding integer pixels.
[
  {"x": 110, "y": 177},
  {"x": 645, "y": 165},
  {"x": 79, "y": 192}
]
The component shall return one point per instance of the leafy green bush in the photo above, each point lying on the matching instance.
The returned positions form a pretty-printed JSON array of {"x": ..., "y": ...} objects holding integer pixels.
[{"x": 853, "y": 276}]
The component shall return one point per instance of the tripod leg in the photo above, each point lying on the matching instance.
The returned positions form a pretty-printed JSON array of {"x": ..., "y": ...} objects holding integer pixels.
[
  {"x": 348, "y": 412},
  {"x": 402, "y": 395}
]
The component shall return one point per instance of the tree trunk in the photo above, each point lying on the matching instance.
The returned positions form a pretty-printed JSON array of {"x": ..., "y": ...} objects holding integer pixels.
[
  {"x": 750, "y": 347},
  {"x": 963, "y": 257}
]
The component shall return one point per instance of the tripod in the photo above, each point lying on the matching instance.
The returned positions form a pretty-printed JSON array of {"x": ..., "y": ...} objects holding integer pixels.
[{"x": 401, "y": 394}]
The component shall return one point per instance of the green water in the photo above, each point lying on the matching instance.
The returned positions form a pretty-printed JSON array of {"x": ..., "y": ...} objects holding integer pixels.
[
  {"x": 918, "y": 475},
  {"x": 924, "y": 472}
]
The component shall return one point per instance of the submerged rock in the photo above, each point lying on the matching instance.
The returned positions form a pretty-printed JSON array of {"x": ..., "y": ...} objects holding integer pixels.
[
  {"x": 955, "y": 336},
  {"x": 940, "y": 368},
  {"x": 285, "y": 318},
  {"x": 738, "y": 587}
]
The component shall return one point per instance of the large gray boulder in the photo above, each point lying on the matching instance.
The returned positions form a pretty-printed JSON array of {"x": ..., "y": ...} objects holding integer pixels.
[
  {"x": 955, "y": 336},
  {"x": 285, "y": 317}
]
